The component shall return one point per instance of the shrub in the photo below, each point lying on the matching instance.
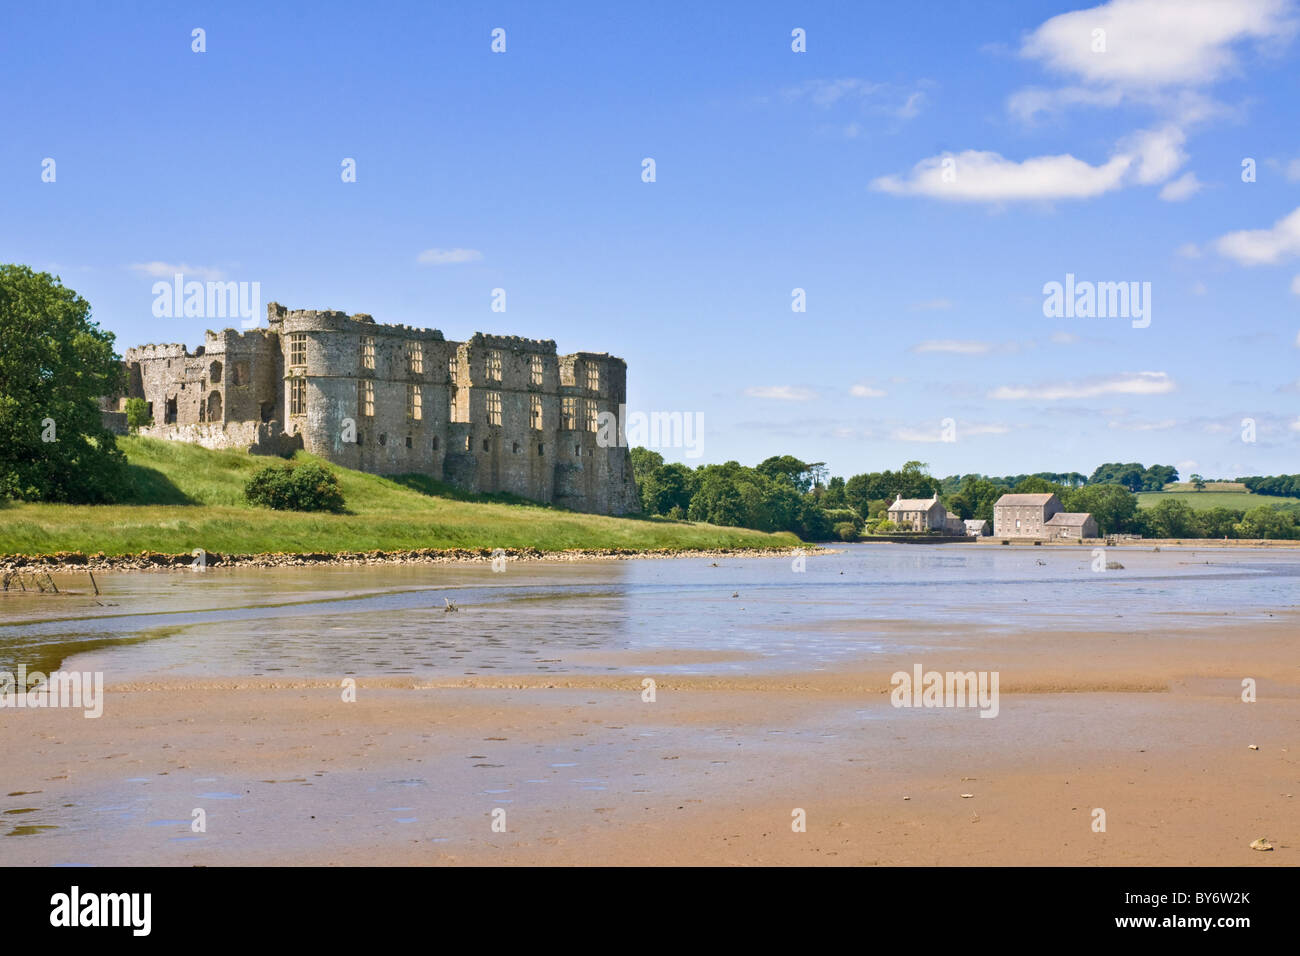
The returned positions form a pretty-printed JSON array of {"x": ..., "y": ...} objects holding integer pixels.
[
  {"x": 295, "y": 488},
  {"x": 137, "y": 413},
  {"x": 846, "y": 531}
]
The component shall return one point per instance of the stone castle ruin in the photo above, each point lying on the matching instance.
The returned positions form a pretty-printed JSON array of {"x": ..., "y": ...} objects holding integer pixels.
[{"x": 493, "y": 414}]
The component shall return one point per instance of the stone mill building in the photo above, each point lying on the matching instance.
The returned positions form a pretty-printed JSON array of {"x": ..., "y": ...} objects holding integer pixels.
[{"x": 492, "y": 414}]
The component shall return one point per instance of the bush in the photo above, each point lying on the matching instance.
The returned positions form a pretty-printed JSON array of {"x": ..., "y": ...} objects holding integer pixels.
[
  {"x": 846, "y": 531},
  {"x": 295, "y": 488},
  {"x": 137, "y": 413}
]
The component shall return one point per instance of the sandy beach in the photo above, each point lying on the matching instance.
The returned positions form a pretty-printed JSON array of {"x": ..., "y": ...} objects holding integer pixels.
[{"x": 1149, "y": 727}]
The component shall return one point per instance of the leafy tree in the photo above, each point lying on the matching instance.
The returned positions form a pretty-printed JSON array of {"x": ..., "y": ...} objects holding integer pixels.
[
  {"x": 1219, "y": 522},
  {"x": 1265, "y": 522},
  {"x": 1034, "y": 485},
  {"x": 55, "y": 365},
  {"x": 667, "y": 487},
  {"x": 1113, "y": 506},
  {"x": 644, "y": 461},
  {"x": 137, "y": 413},
  {"x": 834, "y": 496},
  {"x": 1171, "y": 518},
  {"x": 1198, "y": 482},
  {"x": 789, "y": 468}
]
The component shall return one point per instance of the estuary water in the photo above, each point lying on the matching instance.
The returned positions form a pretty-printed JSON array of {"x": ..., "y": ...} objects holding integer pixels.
[{"x": 754, "y": 614}]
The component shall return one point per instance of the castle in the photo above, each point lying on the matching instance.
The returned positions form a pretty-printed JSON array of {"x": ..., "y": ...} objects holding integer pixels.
[{"x": 493, "y": 414}]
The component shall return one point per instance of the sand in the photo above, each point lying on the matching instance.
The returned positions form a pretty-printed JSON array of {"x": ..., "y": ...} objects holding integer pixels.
[{"x": 1150, "y": 728}]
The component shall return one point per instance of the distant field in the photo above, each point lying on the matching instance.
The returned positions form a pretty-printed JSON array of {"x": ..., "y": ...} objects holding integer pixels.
[
  {"x": 1213, "y": 497},
  {"x": 1209, "y": 486},
  {"x": 184, "y": 497}
]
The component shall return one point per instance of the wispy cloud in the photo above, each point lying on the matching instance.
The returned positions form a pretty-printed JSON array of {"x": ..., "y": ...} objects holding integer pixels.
[
  {"x": 866, "y": 391},
  {"x": 783, "y": 393},
  {"x": 1129, "y": 383},
  {"x": 1184, "y": 187},
  {"x": 446, "y": 257},
  {"x": 927, "y": 434},
  {"x": 955, "y": 346},
  {"x": 166, "y": 270},
  {"x": 877, "y": 98},
  {"x": 1253, "y": 247},
  {"x": 1144, "y": 158},
  {"x": 1145, "y": 426}
]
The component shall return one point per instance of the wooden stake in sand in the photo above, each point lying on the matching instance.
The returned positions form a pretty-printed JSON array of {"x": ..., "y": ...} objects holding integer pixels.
[{"x": 92, "y": 581}]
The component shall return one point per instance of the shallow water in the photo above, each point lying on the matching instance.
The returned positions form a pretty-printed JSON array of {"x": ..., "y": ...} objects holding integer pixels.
[{"x": 759, "y": 614}]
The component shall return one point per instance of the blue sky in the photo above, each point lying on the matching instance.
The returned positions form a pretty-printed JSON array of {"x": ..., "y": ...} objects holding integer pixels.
[{"x": 775, "y": 170}]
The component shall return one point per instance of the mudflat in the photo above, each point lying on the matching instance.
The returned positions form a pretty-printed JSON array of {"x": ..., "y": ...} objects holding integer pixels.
[{"x": 1149, "y": 728}]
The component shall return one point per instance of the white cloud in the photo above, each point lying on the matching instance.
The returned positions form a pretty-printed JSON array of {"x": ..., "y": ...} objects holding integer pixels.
[
  {"x": 1295, "y": 285},
  {"x": 1253, "y": 247},
  {"x": 937, "y": 434},
  {"x": 931, "y": 305},
  {"x": 166, "y": 270},
  {"x": 1129, "y": 383},
  {"x": 1187, "y": 465},
  {"x": 1065, "y": 338},
  {"x": 444, "y": 257},
  {"x": 1189, "y": 250},
  {"x": 953, "y": 345},
  {"x": 1184, "y": 187},
  {"x": 866, "y": 391},
  {"x": 1295, "y": 425},
  {"x": 1145, "y": 426},
  {"x": 1144, "y": 157},
  {"x": 1198, "y": 288},
  {"x": 784, "y": 393},
  {"x": 1151, "y": 44},
  {"x": 1293, "y": 171},
  {"x": 880, "y": 98}
]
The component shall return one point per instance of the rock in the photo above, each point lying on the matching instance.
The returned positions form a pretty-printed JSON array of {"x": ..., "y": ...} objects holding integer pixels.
[{"x": 1261, "y": 844}]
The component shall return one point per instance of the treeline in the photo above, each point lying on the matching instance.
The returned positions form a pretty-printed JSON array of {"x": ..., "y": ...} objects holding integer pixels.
[
  {"x": 783, "y": 493},
  {"x": 1284, "y": 486}
]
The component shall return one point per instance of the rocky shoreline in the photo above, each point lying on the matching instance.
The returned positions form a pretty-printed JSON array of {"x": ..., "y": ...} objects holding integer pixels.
[{"x": 159, "y": 561}]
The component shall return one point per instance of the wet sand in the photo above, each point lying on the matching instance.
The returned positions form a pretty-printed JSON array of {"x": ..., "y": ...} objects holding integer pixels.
[{"x": 1149, "y": 727}]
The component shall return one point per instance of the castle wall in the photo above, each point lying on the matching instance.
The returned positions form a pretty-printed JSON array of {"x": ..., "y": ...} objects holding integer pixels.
[{"x": 345, "y": 389}]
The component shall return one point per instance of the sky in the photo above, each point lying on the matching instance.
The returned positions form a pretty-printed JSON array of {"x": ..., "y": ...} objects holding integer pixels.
[{"x": 922, "y": 172}]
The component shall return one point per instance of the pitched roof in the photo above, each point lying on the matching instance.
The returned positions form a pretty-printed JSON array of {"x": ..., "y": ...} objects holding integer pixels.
[
  {"x": 913, "y": 504},
  {"x": 976, "y": 522},
  {"x": 1041, "y": 499},
  {"x": 1070, "y": 518}
]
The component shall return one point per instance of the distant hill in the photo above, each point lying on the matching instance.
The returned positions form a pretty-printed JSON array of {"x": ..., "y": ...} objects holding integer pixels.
[{"x": 1217, "y": 494}]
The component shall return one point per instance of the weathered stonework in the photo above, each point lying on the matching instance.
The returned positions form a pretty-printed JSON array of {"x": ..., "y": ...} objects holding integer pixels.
[{"x": 493, "y": 414}]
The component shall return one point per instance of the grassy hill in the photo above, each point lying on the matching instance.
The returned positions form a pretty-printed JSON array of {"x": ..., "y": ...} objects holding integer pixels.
[
  {"x": 184, "y": 497},
  {"x": 1217, "y": 494}
]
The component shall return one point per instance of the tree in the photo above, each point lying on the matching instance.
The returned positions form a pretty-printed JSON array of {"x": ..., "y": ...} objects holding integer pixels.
[
  {"x": 644, "y": 461},
  {"x": 665, "y": 488},
  {"x": 1198, "y": 482},
  {"x": 1113, "y": 506},
  {"x": 1265, "y": 522},
  {"x": 137, "y": 413},
  {"x": 1219, "y": 522},
  {"x": 1171, "y": 518},
  {"x": 789, "y": 468},
  {"x": 55, "y": 365}
]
